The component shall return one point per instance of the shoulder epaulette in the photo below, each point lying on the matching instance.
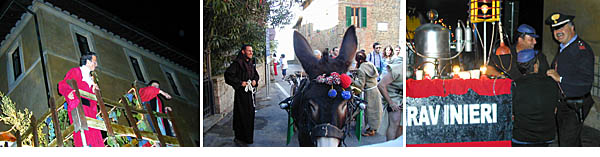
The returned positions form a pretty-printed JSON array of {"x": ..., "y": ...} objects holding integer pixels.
[{"x": 581, "y": 45}]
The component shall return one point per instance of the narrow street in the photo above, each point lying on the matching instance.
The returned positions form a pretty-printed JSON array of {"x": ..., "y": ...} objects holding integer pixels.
[{"x": 270, "y": 122}]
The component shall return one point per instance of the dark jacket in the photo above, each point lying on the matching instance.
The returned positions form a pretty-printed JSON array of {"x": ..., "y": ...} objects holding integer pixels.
[
  {"x": 576, "y": 67},
  {"x": 241, "y": 70},
  {"x": 535, "y": 96}
]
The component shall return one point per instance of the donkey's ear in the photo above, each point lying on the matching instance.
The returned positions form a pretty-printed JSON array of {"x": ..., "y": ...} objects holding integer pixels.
[
  {"x": 348, "y": 49},
  {"x": 304, "y": 53}
]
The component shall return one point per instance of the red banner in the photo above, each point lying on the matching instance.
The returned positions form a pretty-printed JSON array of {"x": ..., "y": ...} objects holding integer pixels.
[
  {"x": 465, "y": 144},
  {"x": 441, "y": 87}
]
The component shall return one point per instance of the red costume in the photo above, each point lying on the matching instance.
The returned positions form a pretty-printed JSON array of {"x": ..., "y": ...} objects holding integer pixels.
[
  {"x": 93, "y": 136},
  {"x": 149, "y": 93}
]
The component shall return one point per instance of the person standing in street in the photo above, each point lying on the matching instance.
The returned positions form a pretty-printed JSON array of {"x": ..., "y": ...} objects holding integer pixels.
[
  {"x": 366, "y": 80},
  {"x": 376, "y": 58},
  {"x": 284, "y": 66},
  {"x": 390, "y": 88},
  {"x": 243, "y": 77}
]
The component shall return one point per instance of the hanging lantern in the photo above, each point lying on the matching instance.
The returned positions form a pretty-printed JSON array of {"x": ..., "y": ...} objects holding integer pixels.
[{"x": 485, "y": 11}]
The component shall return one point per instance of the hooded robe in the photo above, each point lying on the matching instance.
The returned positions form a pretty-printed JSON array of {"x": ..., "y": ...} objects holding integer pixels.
[
  {"x": 367, "y": 81},
  {"x": 242, "y": 69}
]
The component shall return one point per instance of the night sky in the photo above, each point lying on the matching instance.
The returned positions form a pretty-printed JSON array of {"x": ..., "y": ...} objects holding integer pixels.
[{"x": 174, "y": 22}]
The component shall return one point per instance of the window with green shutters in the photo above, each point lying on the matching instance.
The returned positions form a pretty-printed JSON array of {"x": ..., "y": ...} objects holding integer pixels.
[
  {"x": 356, "y": 16},
  {"x": 363, "y": 16},
  {"x": 348, "y": 16}
]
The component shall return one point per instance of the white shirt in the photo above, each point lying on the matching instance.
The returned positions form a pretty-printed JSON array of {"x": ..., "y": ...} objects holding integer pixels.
[
  {"x": 284, "y": 64},
  {"x": 85, "y": 74}
]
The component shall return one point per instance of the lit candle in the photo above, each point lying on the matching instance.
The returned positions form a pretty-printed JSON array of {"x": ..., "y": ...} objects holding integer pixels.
[
  {"x": 483, "y": 70},
  {"x": 455, "y": 71},
  {"x": 475, "y": 74},
  {"x": 419, "y": 75},
  {"x": 429, "y": 70}
]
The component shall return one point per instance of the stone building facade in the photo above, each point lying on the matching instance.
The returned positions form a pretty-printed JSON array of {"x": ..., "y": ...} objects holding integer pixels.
[
  {"x": 64, "y": 34},
  {"x": 376, "y": 21}
]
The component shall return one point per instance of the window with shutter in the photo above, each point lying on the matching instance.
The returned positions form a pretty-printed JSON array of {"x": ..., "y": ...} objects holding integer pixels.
[
  {"x": 348, "y": 16},
  {"x": 356, "y": 16},
  {"x": 363, "y": 16}
]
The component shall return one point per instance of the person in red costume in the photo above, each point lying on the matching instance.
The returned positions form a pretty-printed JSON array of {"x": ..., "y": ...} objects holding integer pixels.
[
  {"x": 85, "y": 83},
  {"x": 150, "y": 95}
]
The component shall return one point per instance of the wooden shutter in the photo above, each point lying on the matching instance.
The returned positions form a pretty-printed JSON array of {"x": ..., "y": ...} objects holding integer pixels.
[
  {"x": 348, "y": 16},
  {"x": 363, "y": 17}
]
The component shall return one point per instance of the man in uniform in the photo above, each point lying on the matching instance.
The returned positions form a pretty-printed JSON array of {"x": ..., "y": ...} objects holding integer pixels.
[
  {"x": 525, "y": 40},
  {"x": 573, "y": 69}
]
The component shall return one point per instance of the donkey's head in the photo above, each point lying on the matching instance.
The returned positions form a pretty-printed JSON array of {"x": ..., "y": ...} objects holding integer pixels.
[{"x": 318, "y": 112}]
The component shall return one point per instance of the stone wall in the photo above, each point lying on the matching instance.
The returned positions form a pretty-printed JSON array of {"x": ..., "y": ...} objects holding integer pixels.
[
  {"x": 586, "y": 15},
  {"x": 378, "y": 12}
]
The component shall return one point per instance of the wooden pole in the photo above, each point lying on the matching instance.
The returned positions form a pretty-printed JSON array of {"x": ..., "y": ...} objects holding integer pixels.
[
  {"x": 19, "y": 139},
  {"x": 129, "y": 115},
  {"x": 105, "y": 117},
  {"x": 18, "y": 133},
  {"x": 152, "y": 120},
  {"x": 34, "y": 126},
  {"x": 56, "y": 123},
  {"x": 80, "y": 113},
  {"x": 178, "y": 135}
]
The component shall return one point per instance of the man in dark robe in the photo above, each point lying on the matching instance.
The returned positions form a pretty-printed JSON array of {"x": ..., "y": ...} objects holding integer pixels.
[{"x": 243, "y": 77}]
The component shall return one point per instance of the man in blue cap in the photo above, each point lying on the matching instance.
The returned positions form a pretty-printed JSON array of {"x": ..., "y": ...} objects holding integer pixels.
[
  {"x": 573, "y": 69},
  {"x": 534, "y": 103},
  {"x": 506, "y": 65}
]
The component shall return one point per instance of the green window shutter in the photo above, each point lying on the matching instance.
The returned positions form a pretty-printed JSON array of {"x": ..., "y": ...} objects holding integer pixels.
[
  {"x": 348, "y": 16},
  {"x": 363, "y": 17}
]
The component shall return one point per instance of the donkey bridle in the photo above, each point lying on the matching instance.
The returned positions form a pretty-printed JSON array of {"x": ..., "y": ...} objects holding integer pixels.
[{"x": 325, "y": 129}]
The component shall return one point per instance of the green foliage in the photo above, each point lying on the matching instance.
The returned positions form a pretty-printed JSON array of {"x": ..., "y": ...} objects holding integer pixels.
[
  {"x": 280, "y": 13},
  {"x": 228, "y": 24},
  {"x": 41, "y": 135},
  {"x": 19, "y": 120},
  {"x": 63, "y": 119}
]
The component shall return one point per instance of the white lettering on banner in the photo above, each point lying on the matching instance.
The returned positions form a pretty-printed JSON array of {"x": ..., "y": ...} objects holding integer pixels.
[
  {"x": 473, "y": 113},
  {"x": 455, "y": 114},
  {"x": 452, "y": 114},
  {"x": 446, "y": 117},
  {"x": 412, "y": 115},
  {"x": 434, "y": 114},
  {"x": 423, "y": 116}
]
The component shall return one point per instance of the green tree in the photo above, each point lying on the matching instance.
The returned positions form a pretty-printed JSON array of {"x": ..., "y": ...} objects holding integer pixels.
[{"x": 228, "y": 24}]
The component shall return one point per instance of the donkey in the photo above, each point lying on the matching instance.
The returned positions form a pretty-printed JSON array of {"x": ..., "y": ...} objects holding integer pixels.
[{"x": 319, "y": 116}]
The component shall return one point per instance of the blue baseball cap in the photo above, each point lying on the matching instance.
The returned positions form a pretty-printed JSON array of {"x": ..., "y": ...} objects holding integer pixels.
[
  {"x": 526, "y": 55},
  {"x": 527, "y": 29}
]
